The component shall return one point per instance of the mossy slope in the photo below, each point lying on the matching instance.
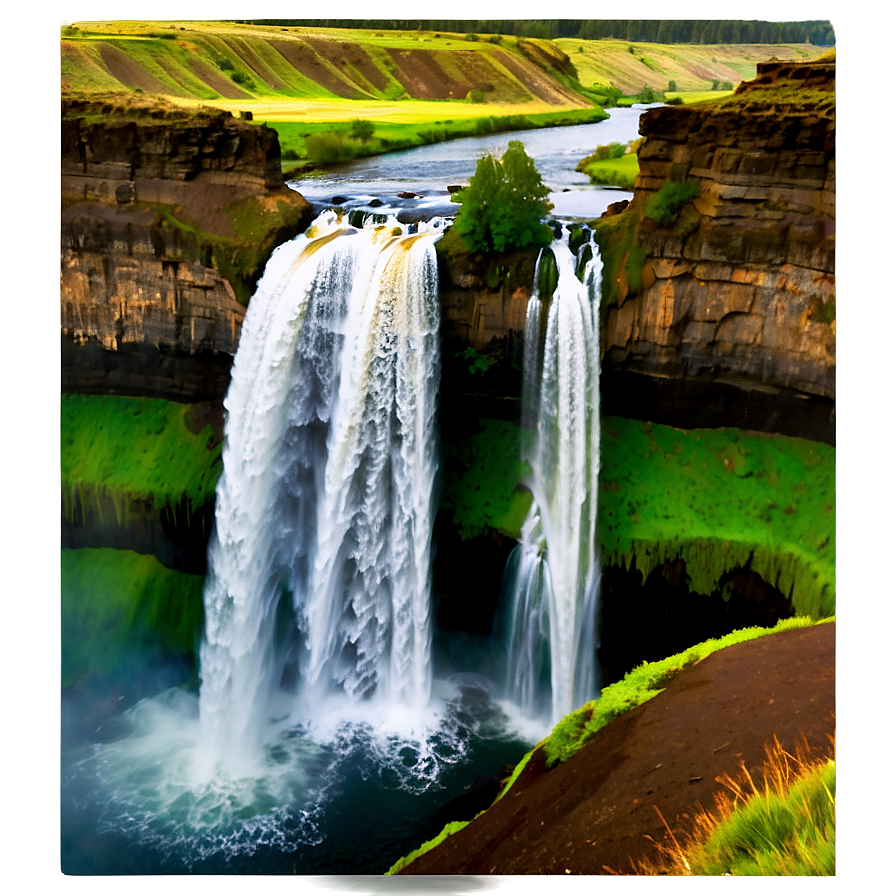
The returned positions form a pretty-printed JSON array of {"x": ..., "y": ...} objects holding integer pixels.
[
  {"x": 483, "y": 476},
  {"x": 721, "y": 499},
  {"x": 136, "y": 450},
  {"x": 117, "y": 605}
]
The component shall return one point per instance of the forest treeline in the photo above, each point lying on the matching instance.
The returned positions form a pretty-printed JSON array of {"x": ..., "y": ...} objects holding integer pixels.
[{"x": 663, "y": 31}]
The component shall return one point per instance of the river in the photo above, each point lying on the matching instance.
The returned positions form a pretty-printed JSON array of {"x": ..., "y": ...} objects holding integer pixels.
[{"x": 427, "y": 171}]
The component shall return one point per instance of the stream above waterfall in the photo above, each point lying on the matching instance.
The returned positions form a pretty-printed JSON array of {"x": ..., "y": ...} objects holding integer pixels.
[{"x": 374, "y": 184}]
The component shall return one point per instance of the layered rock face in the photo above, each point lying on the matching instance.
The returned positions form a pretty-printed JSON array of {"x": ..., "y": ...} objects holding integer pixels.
[
  {"x": 138, "y": 316},
  {"x": 150, "y": 155},
  {"x": 739, "y": 290},
  {"x": 151, "y": 198},
  {"x": 484, "y": 299}
]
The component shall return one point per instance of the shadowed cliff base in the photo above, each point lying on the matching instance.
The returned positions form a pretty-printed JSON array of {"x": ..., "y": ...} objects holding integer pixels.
[
  {"x": 594, "y": 813},
  {"x": 694, "y": 403}
]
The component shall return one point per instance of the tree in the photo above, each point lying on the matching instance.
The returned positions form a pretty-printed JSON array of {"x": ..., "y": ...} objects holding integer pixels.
[
  {"x": 505, "y": 204},
  {"x": 361, "y": 129}
]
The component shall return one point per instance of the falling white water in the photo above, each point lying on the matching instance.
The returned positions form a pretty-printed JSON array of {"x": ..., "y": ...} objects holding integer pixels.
[
  {"x": 319, "y": 569},
  {"x": 552, "y": 626}
]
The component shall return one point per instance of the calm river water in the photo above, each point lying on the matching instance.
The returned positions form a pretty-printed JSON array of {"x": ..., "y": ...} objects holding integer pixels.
[{"x": 428, "y": 171}]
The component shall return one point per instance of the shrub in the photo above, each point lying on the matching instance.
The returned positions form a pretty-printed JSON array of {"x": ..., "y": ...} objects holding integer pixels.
[
  {"x": 649, "y": 95},
  {"x": 325, "y": 149},
  {"x": 609, "y": 151},
  {"x": 433, "y": 135},
  {"x": 243, "y": 79},
  {"x": 361, "y": 129},
  {"x": 671, "y": 86},
  {"x": 476, "y": 96},
  {"x": 664, "y": 205},
  {"x": 504, "y": 206}
]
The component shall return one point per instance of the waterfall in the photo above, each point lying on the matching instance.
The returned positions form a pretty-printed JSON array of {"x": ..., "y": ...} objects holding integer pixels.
[
  {"x": 319, "y": 567},
  {"x": 554, "y": 572}
]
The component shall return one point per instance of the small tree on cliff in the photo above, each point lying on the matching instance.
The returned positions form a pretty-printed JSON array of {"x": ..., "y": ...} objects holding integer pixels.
[{"x": 505, "y": 205}]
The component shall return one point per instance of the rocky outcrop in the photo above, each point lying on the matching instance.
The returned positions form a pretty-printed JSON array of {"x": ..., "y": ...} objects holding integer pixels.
[
  {"x": 736, "y": 294},
  {"x": 483, "y": 298},
  {"x": 155, "y": 269},
  {"x": 148, "y": 151}
]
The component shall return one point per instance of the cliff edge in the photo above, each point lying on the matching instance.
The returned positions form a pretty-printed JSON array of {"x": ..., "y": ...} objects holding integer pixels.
[
  {"x": 168, "y": 219},
  {"x": 719, "y": 277}
]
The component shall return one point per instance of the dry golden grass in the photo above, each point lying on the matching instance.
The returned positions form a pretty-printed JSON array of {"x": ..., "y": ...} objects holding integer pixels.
[{"x": 780, "y": 822}]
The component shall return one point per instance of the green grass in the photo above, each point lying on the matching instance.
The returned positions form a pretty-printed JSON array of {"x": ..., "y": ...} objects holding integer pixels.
[
  {"x": 643, "y": 683},
  {"x": 721, "y": 498},
  {"x": 390, "y": 136},
  {"x": 135, "y": 449},
  {"x": 701, "y": 96},
  {"x": 118, "y": 604},
  {"x": 781, "y": 834},
  {"x": 664, "y": 205},
  {"x": 620, "y": 172},
  {"x": 482, "y": 480},
  {"x": 780, "y": 822}
]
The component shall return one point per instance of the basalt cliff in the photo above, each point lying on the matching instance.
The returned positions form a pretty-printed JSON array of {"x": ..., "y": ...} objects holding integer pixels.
[
  {"x": 168, "y": 218},
  {"x": 719, "y": 278}
]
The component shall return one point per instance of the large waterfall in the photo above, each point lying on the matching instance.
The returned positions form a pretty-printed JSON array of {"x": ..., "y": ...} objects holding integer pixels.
[
  {"x": 554, "y": 582},
  {"x": 319, "y": 570}
]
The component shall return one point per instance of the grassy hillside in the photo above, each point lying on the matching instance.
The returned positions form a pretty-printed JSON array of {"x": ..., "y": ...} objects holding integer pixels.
[
  {"x": 266, "y": 68},
  {"x": 631, "y": 66},
  {"x": 220, "y": 60}
]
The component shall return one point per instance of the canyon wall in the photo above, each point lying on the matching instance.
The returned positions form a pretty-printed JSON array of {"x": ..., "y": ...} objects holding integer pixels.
[
  {"x": 168, "y": 218},
  {"x": 733, "y": 301}
]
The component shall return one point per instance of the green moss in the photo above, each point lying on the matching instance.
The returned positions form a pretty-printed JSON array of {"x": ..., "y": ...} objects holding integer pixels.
[
  {"x": 634, "y": 268},
  {"x": 257, "y": 227},
  {"x": 482, "y": 480},
  {"x": 135, "y": 449},
  {"x": 118, "y": 604},
  {"x": 827, "y": 312},
  {"x": 640, "y": 685},
  {"x": 451, "y": 828},
  {"x": 720, "y": 499},
  {"x": 664, "y": 205},
  {"x": 617, "y": 238}
]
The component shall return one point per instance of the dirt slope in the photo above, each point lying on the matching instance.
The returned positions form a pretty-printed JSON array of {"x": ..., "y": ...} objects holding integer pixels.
[{"x": 594, "y": 813}]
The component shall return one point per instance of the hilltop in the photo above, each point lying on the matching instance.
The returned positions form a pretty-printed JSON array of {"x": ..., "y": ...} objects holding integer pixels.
[{"x": 226, "y": 62}]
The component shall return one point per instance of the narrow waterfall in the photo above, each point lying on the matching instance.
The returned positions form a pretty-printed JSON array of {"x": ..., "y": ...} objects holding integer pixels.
[
  {"x": 554, "y": 580},
  {"x": 319, "y": 567}
]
